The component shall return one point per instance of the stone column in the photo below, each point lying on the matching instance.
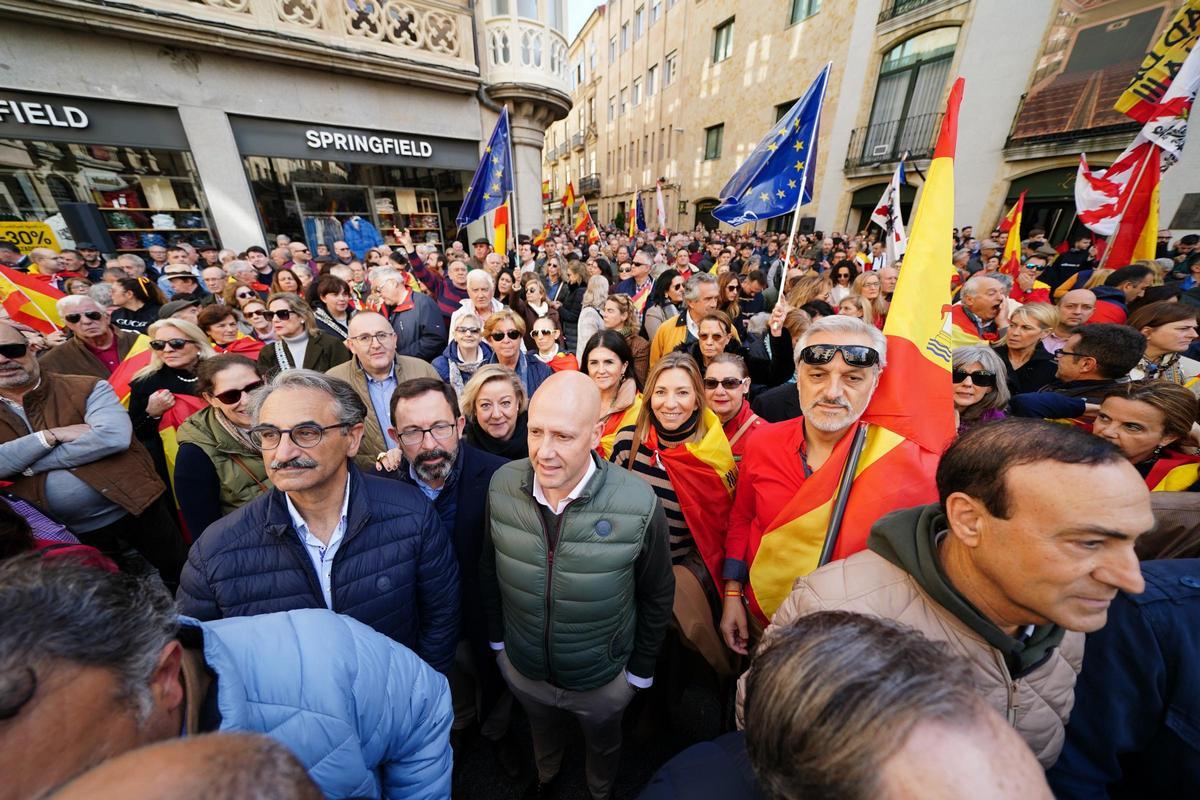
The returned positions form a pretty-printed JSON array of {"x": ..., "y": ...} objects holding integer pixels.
[
  {"x": 530, "y": 114},
  {"x": 230, "y": 200}
]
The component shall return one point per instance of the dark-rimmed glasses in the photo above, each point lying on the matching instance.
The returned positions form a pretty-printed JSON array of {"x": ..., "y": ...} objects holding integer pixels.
[
  {"x": 231, "y": 396},
  {"x": 306, "y": 434},
  {"x": 172, "y": 344},
  {"x": 442, "y": 432},
  {"x": 981, "y": 378},
  {"x": 92, "y": 315}
]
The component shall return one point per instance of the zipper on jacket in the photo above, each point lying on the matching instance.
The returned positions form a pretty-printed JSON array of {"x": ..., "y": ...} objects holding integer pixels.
[
  {"x": 1011, "y": 686},
  {"x": 549, "y": 601}
]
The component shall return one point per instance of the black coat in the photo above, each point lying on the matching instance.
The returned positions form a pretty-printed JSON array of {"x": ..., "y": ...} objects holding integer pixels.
[
  {"x": 323, "y": 353},
  {"x": 1037, "y": 372},
  {"x": 778, "y": 403},
  {"x": 394, "y": 571}
]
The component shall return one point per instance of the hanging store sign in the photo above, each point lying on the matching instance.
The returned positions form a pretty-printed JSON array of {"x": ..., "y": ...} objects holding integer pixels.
[
  {"x": 82, "y": 120},
  {"x": 28, "y": 235},
  {"x": 363, "y": 143}
]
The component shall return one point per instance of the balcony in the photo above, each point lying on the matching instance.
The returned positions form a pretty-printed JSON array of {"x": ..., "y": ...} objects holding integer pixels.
[
  {"x": 524, "y": 52},
  {"x": 577, "y": 141},
  {"x": 429, "y": 42},
  {"x": 894, "y": 8},
  {"x": 875, "y": 148},
  {"x": 589, "y": 185}
]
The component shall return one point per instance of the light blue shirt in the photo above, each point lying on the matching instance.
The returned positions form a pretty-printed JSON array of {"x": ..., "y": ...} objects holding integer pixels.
[
  {"x": 320, "y": 553},
  {"x": 430, "y": 492},
  {"x": 381, "y": 397}
]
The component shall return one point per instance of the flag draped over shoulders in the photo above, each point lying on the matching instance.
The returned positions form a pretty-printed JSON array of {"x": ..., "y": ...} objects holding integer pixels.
[{"x": 138, "y": 357}]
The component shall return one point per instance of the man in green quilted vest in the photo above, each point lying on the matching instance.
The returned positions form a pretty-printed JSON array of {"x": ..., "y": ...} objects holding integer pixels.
[{"x": 576, "y": 582}]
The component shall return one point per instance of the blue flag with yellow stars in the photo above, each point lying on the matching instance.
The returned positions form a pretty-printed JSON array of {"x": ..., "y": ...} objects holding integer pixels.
[
  {"x": 778, "y": 176},
  {"x": 493, "y": 179}
]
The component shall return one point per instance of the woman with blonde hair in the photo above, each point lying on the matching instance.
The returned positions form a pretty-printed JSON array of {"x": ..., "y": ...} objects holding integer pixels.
[
  {"x": 503, "y": 332},
  {"x": 495, "y": 405},
  {"x": 678, "y": 447},
  {"x": 807, "y": 288},
  {"x": 1028, "y": 365},
  {"x": 621, "y": 315},
  {"x": 590, "y": 318},
  {"x": 868, "y": 285},
  {"x": 298, "y": 341},
  {"x": 855, "y": 305}
]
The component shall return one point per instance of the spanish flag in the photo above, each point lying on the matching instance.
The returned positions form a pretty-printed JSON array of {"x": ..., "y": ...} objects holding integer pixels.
[
  {"x": 168, "y": 428},
  {"x": 541, "y": 238},
  {"x": 1011, "y": 263},
  {"x": 1174, "y": 473},
  {"x": 500, "y": 230},
  {"x": 30, "y": 301},
  {"x": 615, "y": 423},
  {"x": 137, "y": 358},
  {"x": 568, "y": 199},
  {"x": 545, "y": 191},
  {"x": 910, "y": 419}
]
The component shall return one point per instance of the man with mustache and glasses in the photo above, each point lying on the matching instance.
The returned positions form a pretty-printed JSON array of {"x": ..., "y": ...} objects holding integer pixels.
[
  {"x": 327, "y": 535},
  {"x": 432, "y": 456},
  {"x": 67, "y": 446}
]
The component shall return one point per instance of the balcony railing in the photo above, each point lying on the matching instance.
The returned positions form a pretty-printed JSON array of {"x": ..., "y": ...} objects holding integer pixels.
[
  {"x": 522, "y": 50},
  {"x": 885, "y": 142},
  {"x": 577, "y": 141},
  {"x": 589, "y": 184},
  {"x": 894, "y": 8}
]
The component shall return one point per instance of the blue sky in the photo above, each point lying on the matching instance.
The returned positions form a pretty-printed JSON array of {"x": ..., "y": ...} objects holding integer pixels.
[{"x": 577, "y": 14}]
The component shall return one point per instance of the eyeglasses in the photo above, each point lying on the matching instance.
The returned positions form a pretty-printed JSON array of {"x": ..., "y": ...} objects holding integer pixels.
[
  {"x": 675, "y": 286},
  {"x": 172, "y": 344},
  {"x": 306, "y": 434},
  {"x": 1061, "y": 353},
  {"x": 442, "y": 432},
  {"x": 14, "y": 350},
  {"x": 231, "y": 396},
  {"x": 541, "y": 333},
  {"x": 625, "y": 268},
  {"x": 470, "y": 331},
  {"x": 243, "y": 295},
  {"x": 284, "y": 314},
  {"x": 986, "y": 379},
  {"x": 499, "y": 336},
  {"x": 92, "y": 315},
  {"x": 729, "y": 384},
  {"x": 365, "y": 339},
  {"x": 855, "y": 355},
  {"x": 1034, "y": 267},
  {"x": 712, "y": 337},
  {"x": 266, "y": 314}
]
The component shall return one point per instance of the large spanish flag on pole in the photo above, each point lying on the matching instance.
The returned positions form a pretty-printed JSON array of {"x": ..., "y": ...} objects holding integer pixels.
[
  {"x": 909, "y": 421},
  {"x": 30, "y": 301},
  {"x": 500, "y": 230}
]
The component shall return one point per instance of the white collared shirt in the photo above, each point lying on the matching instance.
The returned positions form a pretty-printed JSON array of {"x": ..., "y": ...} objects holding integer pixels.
[
  {"x": 578, "y": 490},
  {"x": 320, "y": 553},
  {"x": 693, "y": 327}
]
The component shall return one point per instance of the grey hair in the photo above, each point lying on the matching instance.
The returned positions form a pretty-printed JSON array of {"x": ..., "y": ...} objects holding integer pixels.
[
  {"x": 470, "y": 316},
  {"x": 381, "y": 275},
  {"x": 834, "y": 695},
  {"x": 987, "y": 358},
  {"x": 971, "y": 287},
  {"x": 959, "y": 255},
  {"x": 481, "y": 274},
  {"x": 62, "y": 610},
  {"x": 1005, "y": 279},
  {"x": 65, "y": 305},
  {"x": 758, "y": 323},
  {"x": 136, "y": 260},
  {"x": 596, "y": 292},
  {"x": 101, "y": 293},
  {"x": 847, "y": 325},
  {"x": 351, "y": 410},
  {"x": 236, "y": 266},
  {"x": 691, "y": 289}
]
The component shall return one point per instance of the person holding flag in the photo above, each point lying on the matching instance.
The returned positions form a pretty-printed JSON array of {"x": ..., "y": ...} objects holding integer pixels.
[
  {"x": 30, "y": 300},
  {"x": 866, "y": 443},
  {"x": 889, "y": 216}
]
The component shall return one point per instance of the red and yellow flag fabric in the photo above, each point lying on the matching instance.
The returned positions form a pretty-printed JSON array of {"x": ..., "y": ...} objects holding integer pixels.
[
  {"x": 541, "y": 238},
  {"x": 168, "y": 428},
  {"x": 545, "y": 191},
  {"x": 703, "y": 475},
  {"x": 1137, "y": 233},
  {"x": 568, "y": 199},
  {"x": 1175, "y": 473},
  {"x": 500, "y": 230},
  {"x": 137, "y": 358},
  {"x": 583, "y": 219},
  {"x": 616, "y": 422},
  {"x": 30, "y": 301},
  {"x": 910, "y": 419},
  {"x": 1011, "y": 262}
]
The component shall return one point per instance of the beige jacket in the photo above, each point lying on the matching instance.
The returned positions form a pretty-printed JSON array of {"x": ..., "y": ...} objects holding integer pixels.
[
  {"x": 1037, "y": 704},
  {"x": 373, "y": 441}
]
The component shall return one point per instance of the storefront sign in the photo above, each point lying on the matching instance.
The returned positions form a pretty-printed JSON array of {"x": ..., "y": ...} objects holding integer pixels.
[
  {"x": 363, "y": 143},
  {"x": 275, "y": 139},
  {"x": 28, "y": 235},
  {"x": 82, "y": 120}
]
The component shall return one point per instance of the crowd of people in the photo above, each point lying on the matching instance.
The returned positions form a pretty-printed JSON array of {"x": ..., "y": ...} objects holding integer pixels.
[{"x": 376, "y": 505}]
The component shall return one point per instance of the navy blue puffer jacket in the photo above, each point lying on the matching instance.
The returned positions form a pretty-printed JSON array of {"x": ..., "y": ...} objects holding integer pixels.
[{"x": 394, "y": 571}]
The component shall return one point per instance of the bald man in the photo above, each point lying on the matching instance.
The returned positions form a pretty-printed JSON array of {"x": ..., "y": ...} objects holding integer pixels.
[
  {"x": 576, "y": 582},
  {"x": 216, "y": 766},
  {"x": 1074, "y": 308}
]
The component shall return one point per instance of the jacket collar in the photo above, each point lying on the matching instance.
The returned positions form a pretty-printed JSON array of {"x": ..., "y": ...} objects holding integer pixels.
[
  {"x": 279, "y": 521},
  {"x": 589, "y": 489}
]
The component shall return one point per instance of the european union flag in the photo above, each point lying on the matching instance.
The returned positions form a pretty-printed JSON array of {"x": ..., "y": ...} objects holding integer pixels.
[
  {"x": 778, "y": 176},
  {"x": 493, "y": 178}
]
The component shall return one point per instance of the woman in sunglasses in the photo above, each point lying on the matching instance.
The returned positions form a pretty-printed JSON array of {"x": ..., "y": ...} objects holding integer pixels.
[
  {"x": 465, "y": 354},
  {"x": 980, "y": 386},
  {"x": 495, "y": 405},
  {"x": 532, "y": 302},
  {"x": 285, "y": 280},
  {"x": 726, "y": 384},
  {"x": 503, "y": 332},
  {"x": 298, "y": 343},
  {"x": 608, "y": 361},
  {"x": 218, "y": 468},
  {"x": 239, "y": 293},
  {"x": 715, "y": 335},
  {"x": 136, "y": 302},
  {"x": 547, "y": 339},
  {"x": 665, "y": 301},
  {"x": 843, "y": 276},
  {"x": 221, "y": 325},
  {"x": 679, "y": 448},
  {"x": 729, "y": 299},
  {"x": 255, "y": 313},
  {"x": 621, "y": 315},
  {"x": 1149, "y": 421}
]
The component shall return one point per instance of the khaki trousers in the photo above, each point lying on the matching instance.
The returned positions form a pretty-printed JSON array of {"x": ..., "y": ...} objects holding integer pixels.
[{"x": 467, "y": 697}]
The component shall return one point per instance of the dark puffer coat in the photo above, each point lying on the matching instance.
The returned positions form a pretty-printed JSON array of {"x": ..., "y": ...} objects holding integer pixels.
[{"x": 394, "y": 571}]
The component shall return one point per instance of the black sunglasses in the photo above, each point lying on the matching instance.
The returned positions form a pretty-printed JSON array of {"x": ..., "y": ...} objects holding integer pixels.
[
  {"x": 855, "y": 355},
  {"x": 231, "y": 396},
  {"x": 74, "y": 318},
  {"x": 499, "y": 336},
  {"x": 14, "y": 350},
  {"x": 985, "y": 379},
  {"x": 174, "y": 344},
  {"x": 284, "y": 314},
  {"x": 728, "y": 383}
]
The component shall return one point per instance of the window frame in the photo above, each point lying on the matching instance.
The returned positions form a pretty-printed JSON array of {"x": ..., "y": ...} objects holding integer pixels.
[
  {"x": 810, "y": 7},
  {"x": 722, "y": 42},
  {"x": 714, "y": 133}
]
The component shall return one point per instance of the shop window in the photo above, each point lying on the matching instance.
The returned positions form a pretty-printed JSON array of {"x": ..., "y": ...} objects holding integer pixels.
[{"x": 713, "y": 138}]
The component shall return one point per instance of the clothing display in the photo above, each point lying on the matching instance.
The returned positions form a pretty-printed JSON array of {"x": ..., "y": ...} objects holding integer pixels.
[
  {"x": 322, "y": 230},
  {"x": 359, "y": 234}
]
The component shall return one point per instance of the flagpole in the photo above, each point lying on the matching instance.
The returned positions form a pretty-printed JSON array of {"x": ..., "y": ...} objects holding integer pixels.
[
  {"x": 843, "y": 496},
  {"x": 512, "y": 164},
  {"x": 787, "y": 259}
]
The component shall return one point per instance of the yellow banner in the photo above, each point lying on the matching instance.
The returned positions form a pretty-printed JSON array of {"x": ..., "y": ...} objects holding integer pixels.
[
  {"x": 28, "y": 235},
  {"x": 1160, "y": 65}
]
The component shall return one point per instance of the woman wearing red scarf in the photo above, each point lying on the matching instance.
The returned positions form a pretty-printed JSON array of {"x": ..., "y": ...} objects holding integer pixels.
[{"x": 1148, "y": 422}]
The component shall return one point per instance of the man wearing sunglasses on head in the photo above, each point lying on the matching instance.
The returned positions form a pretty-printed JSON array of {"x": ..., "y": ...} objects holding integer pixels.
[
  {"x": 788, "y": 468},
  {"x": 96, "y": 346},
  {"x": 327, "y": 535},
  {"x": 67, "y": 445}
]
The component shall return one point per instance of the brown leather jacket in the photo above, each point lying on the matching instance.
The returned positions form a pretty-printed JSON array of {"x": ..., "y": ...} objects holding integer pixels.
[
  {"x": 73, "y": 357},
  {"x": 126, "y": 478},
  {"x": 1037, "y": 704}
]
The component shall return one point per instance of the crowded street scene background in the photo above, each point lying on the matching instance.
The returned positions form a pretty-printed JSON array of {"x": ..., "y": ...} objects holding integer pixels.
[{"x": 606, "y": 507}]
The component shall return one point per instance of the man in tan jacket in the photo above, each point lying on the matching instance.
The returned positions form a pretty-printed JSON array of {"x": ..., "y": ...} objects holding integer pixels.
[{"x": 1031, "y": 540}]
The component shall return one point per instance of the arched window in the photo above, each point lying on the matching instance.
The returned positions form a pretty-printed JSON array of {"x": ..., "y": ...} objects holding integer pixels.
[{"x": 908, "y": 95}]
